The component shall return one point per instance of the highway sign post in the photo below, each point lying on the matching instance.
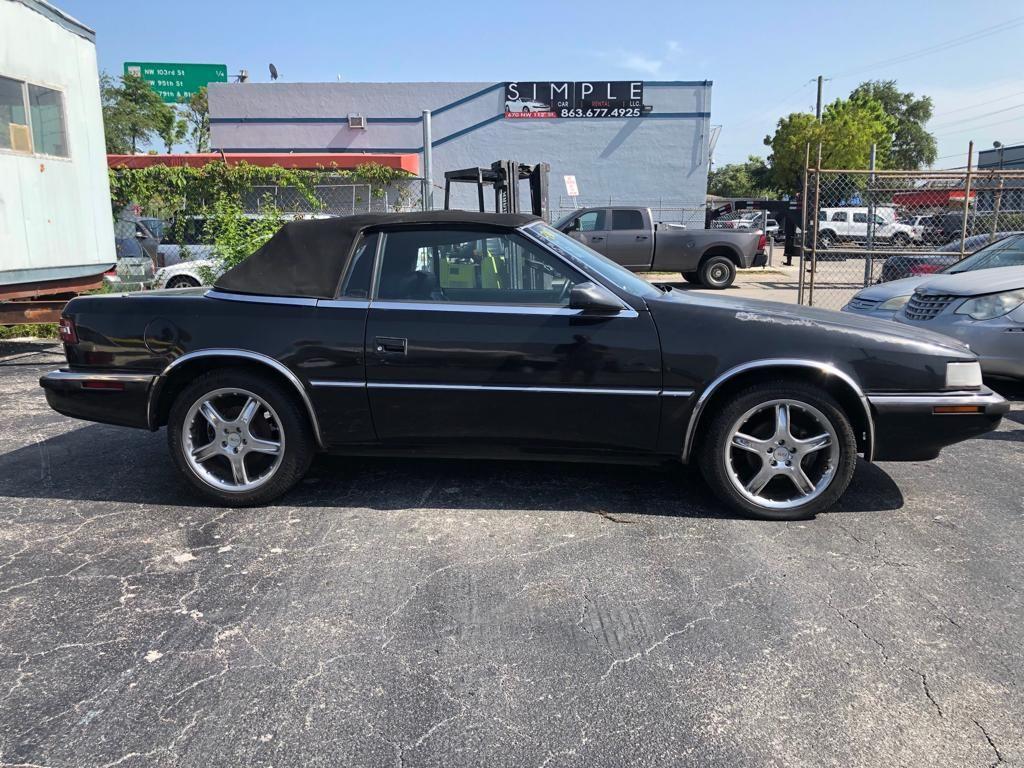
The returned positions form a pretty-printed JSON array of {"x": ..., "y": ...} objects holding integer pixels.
[{"x": 177, "y": 82}]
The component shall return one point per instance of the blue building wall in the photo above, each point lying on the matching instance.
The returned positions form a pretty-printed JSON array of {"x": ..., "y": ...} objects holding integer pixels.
[{"x": 660, "y": 159}]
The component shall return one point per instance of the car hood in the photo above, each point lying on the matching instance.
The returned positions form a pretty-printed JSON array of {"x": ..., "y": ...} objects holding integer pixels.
[
  {"x": 975, "y": 283},
  {"x": 757, "y": 310},
  {"x": 893, "y": 288}
]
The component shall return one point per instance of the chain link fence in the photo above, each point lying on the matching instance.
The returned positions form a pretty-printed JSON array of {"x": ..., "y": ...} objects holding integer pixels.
[
  {"x": 864, "y": 227},
  {"x": 667, "y": 211}
]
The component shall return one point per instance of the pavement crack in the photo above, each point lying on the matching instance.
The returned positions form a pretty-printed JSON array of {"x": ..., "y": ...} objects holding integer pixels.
[
  {"x": 928, "y": 693},
  {"x": 991, "y": 743},
  {"x": 612, "y": 518}
]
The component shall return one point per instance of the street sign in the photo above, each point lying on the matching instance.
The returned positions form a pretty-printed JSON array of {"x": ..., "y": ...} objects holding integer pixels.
[
  {"x": 570, "y": 186},
  {"x": 177, "y": 82}
]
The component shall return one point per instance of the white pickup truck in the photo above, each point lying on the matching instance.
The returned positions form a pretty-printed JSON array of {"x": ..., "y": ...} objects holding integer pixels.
[{"x": 847, "y": 224}]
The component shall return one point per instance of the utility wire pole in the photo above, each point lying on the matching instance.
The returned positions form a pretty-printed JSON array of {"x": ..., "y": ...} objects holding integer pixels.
[{"x": 817, "y": 109}]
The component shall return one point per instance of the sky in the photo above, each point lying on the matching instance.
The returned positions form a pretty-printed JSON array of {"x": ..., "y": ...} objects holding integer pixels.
[{"x": 762, "y": 58}]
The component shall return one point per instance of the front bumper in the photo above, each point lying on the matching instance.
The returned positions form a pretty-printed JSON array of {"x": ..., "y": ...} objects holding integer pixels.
[
  {"x": 908, "y": 428},
  {"x": 998, "y": 343},
  {"x": 106, "y": 397}
]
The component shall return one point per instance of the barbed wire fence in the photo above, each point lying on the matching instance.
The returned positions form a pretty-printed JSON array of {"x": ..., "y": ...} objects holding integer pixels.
[{"x": 865, "y": 226}]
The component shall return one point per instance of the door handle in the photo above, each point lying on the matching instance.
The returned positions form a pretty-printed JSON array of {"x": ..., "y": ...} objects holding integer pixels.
[
  {"x": 641, "y": 237},
  {"x": 595, "y": 239},
  {"x": 391, "y": 346}
]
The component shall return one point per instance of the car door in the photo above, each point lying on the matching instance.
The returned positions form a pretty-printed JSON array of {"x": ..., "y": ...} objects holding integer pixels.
[
  {"x": 840, "y": 224},
  {"x": 630, "y": 240},
  {"x": 590, "y": 228},
  {"x": 470, "y": 340}
]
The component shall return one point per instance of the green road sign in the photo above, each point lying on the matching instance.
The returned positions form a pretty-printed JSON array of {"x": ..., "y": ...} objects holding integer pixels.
[{"x": 177, "y": 82}]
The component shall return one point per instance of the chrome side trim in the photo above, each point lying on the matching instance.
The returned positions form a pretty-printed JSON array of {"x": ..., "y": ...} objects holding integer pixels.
[
  {"x": 246, "y": 355},
  {"x": 293, "y": 301},
  {"x": 826, "y": 368},
  {"x": 677, "y": 393},
  {"x": 503, "y": 388},
  {"x": 330, "y": 383},
  {"x": 344, "y": 303},
  {"x": 497, "y": 309},
  {"x": 127, "y": 378},
  {"x": 917, "y": 401}
]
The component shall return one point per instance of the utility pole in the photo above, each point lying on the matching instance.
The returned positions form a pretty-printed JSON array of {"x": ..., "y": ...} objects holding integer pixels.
[{"x": 817, "y": 109}]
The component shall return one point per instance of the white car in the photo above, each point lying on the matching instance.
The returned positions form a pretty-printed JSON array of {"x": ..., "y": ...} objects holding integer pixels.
[
  {"x": 526, "y": 105},
  {"x": 184, "y": 274}
]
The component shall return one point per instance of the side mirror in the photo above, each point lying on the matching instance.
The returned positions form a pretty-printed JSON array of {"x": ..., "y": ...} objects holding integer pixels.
[{"x": 592, "y": 297}]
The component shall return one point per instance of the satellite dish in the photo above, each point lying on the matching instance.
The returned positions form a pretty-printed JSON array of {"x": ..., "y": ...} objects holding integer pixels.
[{"x": 273, "y": 72}]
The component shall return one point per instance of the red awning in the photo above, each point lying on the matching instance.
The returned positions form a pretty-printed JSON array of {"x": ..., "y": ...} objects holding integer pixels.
[{"x": 305, "y": 160}]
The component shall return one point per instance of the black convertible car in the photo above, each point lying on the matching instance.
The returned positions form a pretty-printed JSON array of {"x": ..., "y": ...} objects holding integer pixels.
[{"x": 453, "y": 333}]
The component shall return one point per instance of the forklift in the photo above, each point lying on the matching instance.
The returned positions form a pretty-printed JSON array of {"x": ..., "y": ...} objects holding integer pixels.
[{"x": 504, "y": 176}]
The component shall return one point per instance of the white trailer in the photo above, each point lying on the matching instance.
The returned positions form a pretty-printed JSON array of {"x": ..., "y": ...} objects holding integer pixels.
[{"x": 56, "y": 228}]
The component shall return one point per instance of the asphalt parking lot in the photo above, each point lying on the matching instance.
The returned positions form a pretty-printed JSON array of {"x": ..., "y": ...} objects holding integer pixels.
[{"x": 421, "y": 613}]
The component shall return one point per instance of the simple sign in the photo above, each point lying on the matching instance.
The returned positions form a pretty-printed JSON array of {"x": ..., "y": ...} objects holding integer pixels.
[
  {"x": 570, "y": 186},
  {"x": 588, "y": 98},
  {"x": 177, "y": 82}
]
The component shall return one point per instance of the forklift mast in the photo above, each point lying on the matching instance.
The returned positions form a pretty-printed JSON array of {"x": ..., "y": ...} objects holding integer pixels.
[{"x": 504, "y": 176}]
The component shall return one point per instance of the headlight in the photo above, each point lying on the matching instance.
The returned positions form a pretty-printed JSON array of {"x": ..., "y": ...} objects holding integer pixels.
[
  {"x": 895, "y": 303},
  {"x": 963, "y": 375},
  {"x": 994, "y": 305}
]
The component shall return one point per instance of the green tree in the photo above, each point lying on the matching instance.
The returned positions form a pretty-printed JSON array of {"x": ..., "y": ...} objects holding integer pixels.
[
  {"x": 172, "y": 129},
  {"x": 749, "y": 179},
  {"x": 848, "y": 129},
  {"x": 197, "y": 117},
  {"x": 912, "y": 145},
  {"x": 132, "y": 113}
]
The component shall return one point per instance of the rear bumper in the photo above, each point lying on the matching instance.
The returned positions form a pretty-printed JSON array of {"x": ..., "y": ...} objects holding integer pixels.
[
  {"x": 109, "y": 398},
  {"x": 907, "y": 427}
]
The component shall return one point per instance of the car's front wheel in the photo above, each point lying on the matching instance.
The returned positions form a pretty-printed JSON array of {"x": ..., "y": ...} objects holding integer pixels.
[
  {"x": 783, "y": 450},
  {"x": 239, "y": 438},
  {"x": 691, "y": 277}
]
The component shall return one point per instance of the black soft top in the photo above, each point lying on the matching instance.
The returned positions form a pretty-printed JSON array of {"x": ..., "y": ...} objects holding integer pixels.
[{"x": 307, "y": 258}]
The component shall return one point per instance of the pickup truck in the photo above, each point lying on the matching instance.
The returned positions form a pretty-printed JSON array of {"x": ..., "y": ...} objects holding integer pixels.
[{"x": 631, "y": 238}]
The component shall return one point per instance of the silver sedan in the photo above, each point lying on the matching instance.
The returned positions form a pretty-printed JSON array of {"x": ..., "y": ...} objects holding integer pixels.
[{"x": 984, "y": 308}]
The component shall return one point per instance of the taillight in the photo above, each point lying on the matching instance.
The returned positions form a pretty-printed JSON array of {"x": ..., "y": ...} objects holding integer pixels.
[
  {"x": 67, "y": 331},
  {"x": 924, "y": 269},
  {"x": 762, "y": 242}
]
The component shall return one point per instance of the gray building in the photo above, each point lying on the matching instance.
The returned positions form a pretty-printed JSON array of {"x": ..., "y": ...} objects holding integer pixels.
[{"x": 643, "y": 143}]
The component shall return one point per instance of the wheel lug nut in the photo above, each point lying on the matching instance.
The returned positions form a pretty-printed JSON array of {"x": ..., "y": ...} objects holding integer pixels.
[{"x": 789, "y": 463}]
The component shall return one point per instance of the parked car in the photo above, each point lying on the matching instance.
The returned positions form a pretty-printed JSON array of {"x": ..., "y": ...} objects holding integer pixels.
[
  {"x": 485, "y": 335},
  {"x": 848, "y": 224},
  {"x": 526, "y": 105},
  {"x": 983, "y": 308},
  {"x": 136, "y": 249},
  {"x": 186, "y": 274},
  {"x": 184, "y": 239},
  {"x": 630, "y": 238},
  {"x": 902, "y": 265}
]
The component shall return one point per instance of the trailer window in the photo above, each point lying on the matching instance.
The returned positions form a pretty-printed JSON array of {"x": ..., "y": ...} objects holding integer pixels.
[
  {"x": 14, "y": 133},
  {"x": 49, "y": 134}
]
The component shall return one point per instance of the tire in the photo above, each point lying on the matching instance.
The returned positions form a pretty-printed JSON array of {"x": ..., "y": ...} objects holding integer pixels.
[
  {"x": 812, "y": 412},
  {"x": 717, "y": 272},
  {"x": 182, "y": 281},
  {"x": 901, "y": 239},
  {"x": 691, "y": 277},
  {"x": 827, "y": 239},
  {"x": 278, "y": 418}
]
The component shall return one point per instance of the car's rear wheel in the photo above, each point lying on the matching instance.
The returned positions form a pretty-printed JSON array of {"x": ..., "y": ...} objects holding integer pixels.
[
  {"x": 691, "y": 277},
  {"x": 901, "y": 238},
  {"x": 239, "y": 438},
  {"x": 182, "y": 281},
  {"x": 717, "y": 272},
  {"x": 783, "y": 450}
]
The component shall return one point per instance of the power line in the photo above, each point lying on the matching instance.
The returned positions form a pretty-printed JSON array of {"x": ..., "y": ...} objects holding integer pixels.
[
  {"x": 978, "y": 127},
  {"x": 979, "y": 104},
  {"x": 1005, "y": 26},
  {"x": 978, "y": 117}
]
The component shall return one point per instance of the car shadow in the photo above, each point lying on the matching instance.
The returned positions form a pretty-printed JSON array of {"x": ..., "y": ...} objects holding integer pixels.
[{"x": 108, "y": 464}]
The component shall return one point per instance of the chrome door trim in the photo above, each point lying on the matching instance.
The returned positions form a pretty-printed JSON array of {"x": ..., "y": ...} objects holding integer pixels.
[
  {"x": 826, "y": 368},
  {"x": 252, "y": 298},
  {"x": 510, "y": 388},
  {"x": 245, "y": 354},
  {"x": 344, "y": 303},
  {"x": 331, "y": 383},
  {"x": 498, "y": 309}
]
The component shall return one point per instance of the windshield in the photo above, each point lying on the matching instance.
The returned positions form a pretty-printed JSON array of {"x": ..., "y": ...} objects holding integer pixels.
[
  {"x": 1008, "y": 252},
  {"x": 579, "y": 254}
]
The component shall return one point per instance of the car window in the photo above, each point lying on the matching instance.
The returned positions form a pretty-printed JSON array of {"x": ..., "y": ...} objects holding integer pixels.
[
  {"x": 822, "y": 215},
  {"x": 627, "y": 219},
  {"x": 1008, "y": 252},
  {"x": 839, "y": 216},
  {"x": 591, "y": 221},
  {"x": 476, "y": 267},
  {"x": 860, "y": 218},
  {"x": 591, "y": 260},
  {"x": 356, "y": 283}
]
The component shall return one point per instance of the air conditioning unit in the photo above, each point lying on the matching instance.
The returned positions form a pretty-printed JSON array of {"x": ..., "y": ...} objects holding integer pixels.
[{"x": 356, "y": 121}]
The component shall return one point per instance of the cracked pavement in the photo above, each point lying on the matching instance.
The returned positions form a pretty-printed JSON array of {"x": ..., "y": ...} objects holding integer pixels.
[{"x": 444, "y": 613}]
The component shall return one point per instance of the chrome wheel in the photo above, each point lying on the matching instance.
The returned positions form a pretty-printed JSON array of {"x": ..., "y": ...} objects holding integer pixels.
[
  {"x": 781, "y": 454},
  {"x": 232, "y": 440}
]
